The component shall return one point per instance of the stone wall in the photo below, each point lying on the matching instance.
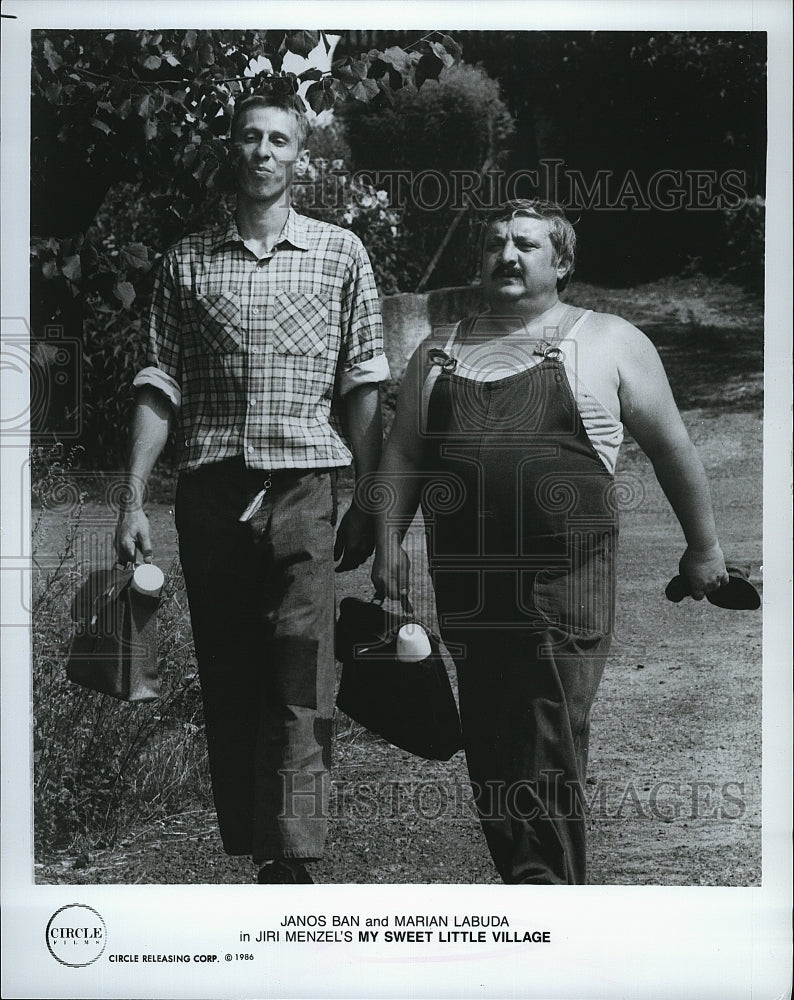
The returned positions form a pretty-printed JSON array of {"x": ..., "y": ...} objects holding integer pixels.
[{"x": 409, "y": 318}]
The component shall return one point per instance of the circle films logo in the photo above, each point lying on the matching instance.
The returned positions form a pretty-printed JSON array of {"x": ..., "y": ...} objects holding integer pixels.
[{"x": 76, "y": 935}]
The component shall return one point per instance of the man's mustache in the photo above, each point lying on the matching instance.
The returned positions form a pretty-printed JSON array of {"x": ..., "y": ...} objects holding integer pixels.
[{"x": 505, "y": 271}]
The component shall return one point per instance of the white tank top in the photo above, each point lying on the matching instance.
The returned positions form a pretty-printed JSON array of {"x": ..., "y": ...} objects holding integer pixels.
[{"x": 604, "y": 431}]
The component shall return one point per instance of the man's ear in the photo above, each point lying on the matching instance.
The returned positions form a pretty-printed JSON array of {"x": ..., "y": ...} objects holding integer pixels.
[
  {"x": 302, "y": 162},
  {"x": 562, "y": 270}
]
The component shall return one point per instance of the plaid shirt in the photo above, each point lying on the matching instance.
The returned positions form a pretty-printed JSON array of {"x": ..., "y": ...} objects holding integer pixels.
[{"x": 252, "y": 352}]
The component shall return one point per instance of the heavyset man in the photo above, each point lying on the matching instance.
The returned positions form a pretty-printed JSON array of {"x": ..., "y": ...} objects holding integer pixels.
[
  {"x": 517, "y": 414},
  {"x": 257, "y": 327}
]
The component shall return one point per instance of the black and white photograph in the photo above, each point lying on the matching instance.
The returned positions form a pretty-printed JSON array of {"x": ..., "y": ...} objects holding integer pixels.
[{"x": 454, "y": 559}]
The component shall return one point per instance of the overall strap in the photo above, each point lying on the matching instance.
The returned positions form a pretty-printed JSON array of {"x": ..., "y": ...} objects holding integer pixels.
[
  {"x": 579, "y": 322},
  {"x": 436, "y": 369},
  {"x": 456, "y": 327},
  {"x": 552, "y": 350}
]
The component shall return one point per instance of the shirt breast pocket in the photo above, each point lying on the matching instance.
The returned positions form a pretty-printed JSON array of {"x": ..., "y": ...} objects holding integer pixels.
[
  {"x": 301, "y": 323},
  {"x": 220, "y": 322}
]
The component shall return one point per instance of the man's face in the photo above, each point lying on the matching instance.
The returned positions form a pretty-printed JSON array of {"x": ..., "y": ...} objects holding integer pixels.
[
  {"x": 519, "y": 262},
  {"x": 268, "y": 152}
]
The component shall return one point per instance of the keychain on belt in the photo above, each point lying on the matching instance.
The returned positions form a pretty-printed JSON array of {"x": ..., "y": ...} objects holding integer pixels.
[{"x": 256, "y": 503}]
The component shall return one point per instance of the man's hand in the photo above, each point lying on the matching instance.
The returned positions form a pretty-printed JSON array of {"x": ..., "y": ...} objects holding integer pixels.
[
  {"x": 151, "y": 422},
  {"x": 391, "y": 571},
  {"x": 355, "y": 539},
  {"x": 703, "y": 571},
  {"x": 132, "y": 532}
]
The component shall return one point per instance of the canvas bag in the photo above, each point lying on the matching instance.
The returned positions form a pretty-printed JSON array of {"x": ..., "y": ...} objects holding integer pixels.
[
  {"x": 411, "y": 705},
  {"x": 114, "y": 646}
]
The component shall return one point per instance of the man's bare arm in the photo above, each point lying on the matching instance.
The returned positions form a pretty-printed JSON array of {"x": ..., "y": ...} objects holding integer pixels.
[
  {"x": 355, "y": 538},
  {"x": 649, "y": 413},
  {"x": 151, "y": 423},
  {"x": 400, "y": 484}
]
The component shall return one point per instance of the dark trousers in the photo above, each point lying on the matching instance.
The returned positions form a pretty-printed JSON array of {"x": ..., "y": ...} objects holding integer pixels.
[
  {"x": 261, "y": 597},
  {"x": 526, "y": 693}
]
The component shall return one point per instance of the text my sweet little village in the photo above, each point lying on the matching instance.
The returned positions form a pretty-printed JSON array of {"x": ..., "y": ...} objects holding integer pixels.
[{"x": 396, "y": 929}]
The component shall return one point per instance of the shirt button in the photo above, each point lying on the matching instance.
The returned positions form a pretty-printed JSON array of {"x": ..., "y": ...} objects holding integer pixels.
[
  {"x": 250, "y": 449},
  {"x": 254, "y": 350},
  {"x": 255, "y": 311}
]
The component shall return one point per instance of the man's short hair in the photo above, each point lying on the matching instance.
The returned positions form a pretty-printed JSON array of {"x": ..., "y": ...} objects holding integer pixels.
[
  {"x": 561, "y": 232},
  {"x": 283, "y": 102}
]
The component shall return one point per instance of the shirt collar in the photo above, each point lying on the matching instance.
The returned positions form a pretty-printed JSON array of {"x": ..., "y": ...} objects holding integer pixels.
[
  {"x": 295, "y": 232},
  {"x": 223, "y": 235}
]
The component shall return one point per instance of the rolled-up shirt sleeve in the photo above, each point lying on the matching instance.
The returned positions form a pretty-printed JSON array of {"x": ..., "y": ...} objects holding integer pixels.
[
  {"x": 375, "y": 369},
  {"x": 164, "y": 353},
  {"x": 363, "y": 360},
  {"x": 157, "y": 379}
]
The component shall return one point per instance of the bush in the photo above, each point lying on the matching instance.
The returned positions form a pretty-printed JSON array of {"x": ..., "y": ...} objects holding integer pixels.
[
  {"x": 453, "y": 124},
  {"x": 330, "y": 193},
  {"x": 743, "y": 259}
]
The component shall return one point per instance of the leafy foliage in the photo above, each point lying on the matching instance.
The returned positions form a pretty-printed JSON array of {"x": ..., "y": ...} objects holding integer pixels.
[
  {"x": 332, "y": 193},
  {"x": 458, "y": 123}
]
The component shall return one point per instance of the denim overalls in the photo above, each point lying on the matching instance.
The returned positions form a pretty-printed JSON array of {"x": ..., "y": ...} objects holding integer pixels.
[{"x": 521, "y": 529}]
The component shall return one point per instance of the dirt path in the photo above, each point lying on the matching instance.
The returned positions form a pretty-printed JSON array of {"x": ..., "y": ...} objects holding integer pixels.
[{"x": 674, "y": 779}]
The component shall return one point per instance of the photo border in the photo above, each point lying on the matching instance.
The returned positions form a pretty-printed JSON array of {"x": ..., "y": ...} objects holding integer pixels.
[{"x": 609, "y": 941}]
